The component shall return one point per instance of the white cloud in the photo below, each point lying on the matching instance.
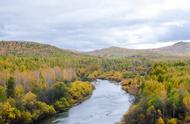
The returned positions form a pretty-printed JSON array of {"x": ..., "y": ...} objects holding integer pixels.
[{"x": 92, "y": 24}]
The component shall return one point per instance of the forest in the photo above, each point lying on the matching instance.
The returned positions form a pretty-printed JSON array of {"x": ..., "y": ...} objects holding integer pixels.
[
  {"x": 32, "y": 88},
  {"x": 163, "y": 95}
]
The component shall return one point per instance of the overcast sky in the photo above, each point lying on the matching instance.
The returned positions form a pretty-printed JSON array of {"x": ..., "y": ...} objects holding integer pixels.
[{"x": 94, "y": 24}]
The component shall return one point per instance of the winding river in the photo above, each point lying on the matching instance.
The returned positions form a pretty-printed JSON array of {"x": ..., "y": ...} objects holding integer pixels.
[{"x": 107, "y": 105}]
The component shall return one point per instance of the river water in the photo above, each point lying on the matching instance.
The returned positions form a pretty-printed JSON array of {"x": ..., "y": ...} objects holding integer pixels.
[{"x": 107, "y": 105}]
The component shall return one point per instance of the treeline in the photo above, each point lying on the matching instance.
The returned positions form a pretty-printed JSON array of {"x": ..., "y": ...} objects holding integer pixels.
[
  {"x": 28, "y": 70},
  {"x": 114, "y": 69},
  {"x": 162, "y": 96}
]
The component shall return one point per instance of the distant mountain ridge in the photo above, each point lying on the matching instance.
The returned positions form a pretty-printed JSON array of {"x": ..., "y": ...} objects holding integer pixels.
[
  {"x": 180, "y": 49},
  {"x": 22, "y": 48}
]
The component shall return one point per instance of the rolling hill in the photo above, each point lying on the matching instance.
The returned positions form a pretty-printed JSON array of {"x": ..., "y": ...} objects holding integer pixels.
[
  {"x": 180, "y": 49},
  {"x": 21, "y": 48}
]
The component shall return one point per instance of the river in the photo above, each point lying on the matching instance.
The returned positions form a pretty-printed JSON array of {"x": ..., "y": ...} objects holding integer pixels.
[{"x": 107, "y": 105}]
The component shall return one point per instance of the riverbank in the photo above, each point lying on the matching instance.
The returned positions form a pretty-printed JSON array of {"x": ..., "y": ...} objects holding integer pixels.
[
  {"x": 78, "y": 92},
  {"x": 105, "y": 106},
  {"x": 111, "y": 79}
]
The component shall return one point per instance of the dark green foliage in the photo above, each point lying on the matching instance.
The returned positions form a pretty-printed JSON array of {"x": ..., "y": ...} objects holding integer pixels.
[
  {"x": 53, "y": 94},
  {"x": 2, "y": 93},
  {"x": 10, "y": 87}
]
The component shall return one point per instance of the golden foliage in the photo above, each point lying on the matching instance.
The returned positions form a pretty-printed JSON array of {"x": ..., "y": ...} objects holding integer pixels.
[{"x": 160, "y": 121}]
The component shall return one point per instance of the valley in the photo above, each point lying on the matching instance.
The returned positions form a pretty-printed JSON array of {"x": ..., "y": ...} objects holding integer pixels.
[{"x": 40, "y": 81}]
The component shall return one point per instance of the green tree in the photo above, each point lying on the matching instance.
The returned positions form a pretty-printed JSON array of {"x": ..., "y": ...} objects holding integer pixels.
[
  {"x": 10, "y": 87},
  {"x": 2, "y": 93}
]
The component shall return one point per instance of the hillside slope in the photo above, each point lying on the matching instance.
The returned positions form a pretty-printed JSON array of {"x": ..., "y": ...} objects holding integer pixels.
[
  {"x": 18, "y": 48},
  {"x": 180, "y": 49}
]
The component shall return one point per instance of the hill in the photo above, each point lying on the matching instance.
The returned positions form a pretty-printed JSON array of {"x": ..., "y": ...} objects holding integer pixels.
[
  {"x": 180, "y": 49},
  {"x": 21, "y": 48}
]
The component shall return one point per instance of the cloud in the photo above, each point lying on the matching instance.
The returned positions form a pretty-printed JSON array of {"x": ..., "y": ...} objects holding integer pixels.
[
  {"x": 177, "y": 32},
  {"x": 91, "y": 24}
]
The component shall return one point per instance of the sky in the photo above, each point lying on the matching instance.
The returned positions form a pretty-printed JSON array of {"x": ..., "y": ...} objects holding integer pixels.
[{"x": 94, "y": 24}]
